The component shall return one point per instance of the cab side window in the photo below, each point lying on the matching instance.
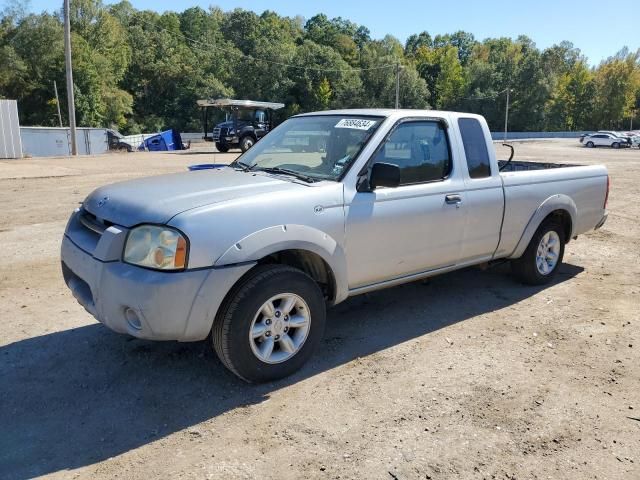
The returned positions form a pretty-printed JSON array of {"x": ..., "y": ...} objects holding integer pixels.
[
  {"x": 475, "y": 148},
  {"x": 420, "y": 149}
]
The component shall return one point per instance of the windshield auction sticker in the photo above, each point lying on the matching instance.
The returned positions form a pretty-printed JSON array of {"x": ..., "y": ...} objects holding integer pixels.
[{"x": 357, "y": 123}]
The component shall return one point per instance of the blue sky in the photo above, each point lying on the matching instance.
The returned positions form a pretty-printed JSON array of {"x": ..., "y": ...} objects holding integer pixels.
[{"x": 598, "y": 28}]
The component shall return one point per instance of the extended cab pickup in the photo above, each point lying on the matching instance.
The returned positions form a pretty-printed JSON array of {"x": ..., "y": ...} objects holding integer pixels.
[{"x": 253, "y": 253}]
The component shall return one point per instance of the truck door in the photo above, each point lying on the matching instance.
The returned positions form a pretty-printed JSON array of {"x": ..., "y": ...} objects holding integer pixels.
[
  {"x": 484, "y": 193},
  {"x": 418, "y": 226}
]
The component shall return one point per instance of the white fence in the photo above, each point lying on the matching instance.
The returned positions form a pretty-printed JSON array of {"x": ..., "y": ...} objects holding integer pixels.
[
  {"x": 525, "y": 135},
  {"x": 54, "y": 141}
]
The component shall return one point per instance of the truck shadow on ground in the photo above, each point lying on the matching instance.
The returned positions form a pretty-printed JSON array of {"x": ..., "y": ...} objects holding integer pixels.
[{"x": 77, "y": 397}]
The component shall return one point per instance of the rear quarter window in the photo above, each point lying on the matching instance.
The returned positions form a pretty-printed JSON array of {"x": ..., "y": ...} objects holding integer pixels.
[{"x": 475, "y": 147}]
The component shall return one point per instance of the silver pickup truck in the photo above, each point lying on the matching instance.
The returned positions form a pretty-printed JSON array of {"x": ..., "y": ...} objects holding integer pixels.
[{"x": 252, "y": 253}]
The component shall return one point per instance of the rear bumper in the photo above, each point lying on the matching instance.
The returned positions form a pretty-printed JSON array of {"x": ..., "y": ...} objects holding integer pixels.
[{"x": 145, "y": 303}]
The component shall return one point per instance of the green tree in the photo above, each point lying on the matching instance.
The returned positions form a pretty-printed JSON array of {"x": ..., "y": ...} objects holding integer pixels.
[
  {"x": 617, "y": 83},
  {"x": 441, "y": 69},
  {"x": 415, "y": 41},
  {"x": 314, "y": 63},
  {"x": 323, "y": 94},
  {"x": 379, "y": 60},
  {"x": 571, "y": 105},
  {"x": 33, "y": 57}
]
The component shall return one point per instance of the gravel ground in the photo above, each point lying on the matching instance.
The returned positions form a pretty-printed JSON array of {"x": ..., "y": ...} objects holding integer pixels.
[{"x": 470, "y": 375}]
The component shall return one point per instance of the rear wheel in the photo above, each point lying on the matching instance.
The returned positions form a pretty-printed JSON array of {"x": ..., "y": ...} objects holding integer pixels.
[
  {"x": 590, "y": 144},
  {"x": 540, "y": 261},
  {"x": 246, "y": 143},
  {"x": 270, "y": 324},
  {"x": 222, "y": 147}
]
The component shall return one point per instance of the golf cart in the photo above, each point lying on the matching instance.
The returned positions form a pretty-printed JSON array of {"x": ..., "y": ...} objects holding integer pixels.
[{"x": 246, "y": 122}]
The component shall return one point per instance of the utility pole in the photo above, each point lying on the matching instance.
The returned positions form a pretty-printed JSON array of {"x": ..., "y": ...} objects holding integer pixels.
[
  {"x": 397, "y": 85},
  {"x": 55, "y": 89},
  {"x": 70, "y": 96},
  {"x": 506, "y": 115}
]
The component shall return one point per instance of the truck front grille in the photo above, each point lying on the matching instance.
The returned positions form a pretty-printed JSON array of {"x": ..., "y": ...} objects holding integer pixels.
[
  {"x": 93, "y": 223},
  {"x": 216, "y": 134}
]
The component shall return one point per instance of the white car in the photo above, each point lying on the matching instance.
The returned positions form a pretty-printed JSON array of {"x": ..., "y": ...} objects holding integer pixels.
[{"x": 601, "y": 139}]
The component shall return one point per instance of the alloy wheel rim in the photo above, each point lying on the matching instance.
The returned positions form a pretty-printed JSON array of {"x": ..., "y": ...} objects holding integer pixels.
[
  {"x": 548, "y": 253},
  {"x": 280, "y": 328}
]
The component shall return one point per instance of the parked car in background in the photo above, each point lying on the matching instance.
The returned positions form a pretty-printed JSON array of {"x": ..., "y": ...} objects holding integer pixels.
[
  {"x": 117, "y": 142},
  {"x": 634, "y": 136},
  {"x": 620, "y": 135},
  {"x": 601, "y": 139}
]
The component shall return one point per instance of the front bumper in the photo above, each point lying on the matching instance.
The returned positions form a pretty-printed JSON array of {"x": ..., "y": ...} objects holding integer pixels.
[{"x": 145, "y": 303}]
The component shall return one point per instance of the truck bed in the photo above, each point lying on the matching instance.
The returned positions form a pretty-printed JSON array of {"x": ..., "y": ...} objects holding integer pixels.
[{"x": 516, "y": 166}]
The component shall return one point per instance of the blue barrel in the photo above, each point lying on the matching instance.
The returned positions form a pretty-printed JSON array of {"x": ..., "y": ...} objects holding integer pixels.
[{"x": 207, "y": 166}]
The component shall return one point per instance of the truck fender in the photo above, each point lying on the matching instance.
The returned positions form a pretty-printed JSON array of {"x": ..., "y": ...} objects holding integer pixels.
[
  {"x": 275, "y": 239},
  {"x": 554, "y": 202}
]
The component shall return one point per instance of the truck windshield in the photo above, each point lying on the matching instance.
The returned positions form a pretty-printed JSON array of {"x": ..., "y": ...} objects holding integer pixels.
[
  {"x": 319, "y": 147},
  {"x": 248, "y": 115}
]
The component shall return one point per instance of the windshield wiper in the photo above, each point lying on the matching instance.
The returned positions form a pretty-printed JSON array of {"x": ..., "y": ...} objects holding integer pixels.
[
  {"x": 286, "y": 171},
  {"x": 244, "y": 166}
]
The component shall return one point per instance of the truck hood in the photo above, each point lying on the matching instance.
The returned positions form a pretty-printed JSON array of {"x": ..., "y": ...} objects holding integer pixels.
[{"x": 160, "y": 198}]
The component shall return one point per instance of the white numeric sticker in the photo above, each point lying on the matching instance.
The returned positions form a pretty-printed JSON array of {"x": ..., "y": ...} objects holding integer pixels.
[{"x": 356, "y": 123}]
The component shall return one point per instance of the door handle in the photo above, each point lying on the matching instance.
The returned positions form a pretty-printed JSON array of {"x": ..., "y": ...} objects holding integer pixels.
[{"x": 453, "y": 199}]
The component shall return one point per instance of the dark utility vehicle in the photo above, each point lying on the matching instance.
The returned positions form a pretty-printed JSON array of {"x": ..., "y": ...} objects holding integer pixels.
[{"x": 246, "y": 122}]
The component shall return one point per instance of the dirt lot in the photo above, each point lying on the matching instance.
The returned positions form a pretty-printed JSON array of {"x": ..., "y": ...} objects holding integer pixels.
[{"x": 468, "y": 376}]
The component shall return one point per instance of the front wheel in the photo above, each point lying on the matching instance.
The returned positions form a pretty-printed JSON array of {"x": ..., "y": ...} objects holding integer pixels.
[
  {"x": 222, "y": 147},
  {"x": 246, "y": 143},
  {"x": 615, "y": 145},
  {"x": 540, "y": 261},
  {"x": 270, "y": 324},
  {"x": 590, "y": 144}
]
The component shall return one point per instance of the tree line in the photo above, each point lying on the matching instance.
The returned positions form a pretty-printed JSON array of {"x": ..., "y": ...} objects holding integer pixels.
[{"x": 143, "y": 71}]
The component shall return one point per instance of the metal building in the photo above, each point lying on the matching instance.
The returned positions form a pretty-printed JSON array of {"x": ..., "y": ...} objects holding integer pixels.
[{"x": 10, "y": 143}]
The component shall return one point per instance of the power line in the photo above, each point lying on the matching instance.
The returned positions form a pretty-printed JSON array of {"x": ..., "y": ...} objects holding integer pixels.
[
  {"x": 273, "y": 62},
  {"x": 487, "y": 97}
]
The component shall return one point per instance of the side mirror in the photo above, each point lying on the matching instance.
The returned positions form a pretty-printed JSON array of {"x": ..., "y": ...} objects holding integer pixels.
[{"x": 384, "y": 175}]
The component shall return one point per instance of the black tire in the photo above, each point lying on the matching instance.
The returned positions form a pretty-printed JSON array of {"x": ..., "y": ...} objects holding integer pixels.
[
  {"x": 525, "y": 267},
  {"x": 221, "y": 147},
  {"x": 615, "y": 145},
  {"x": 246, "y": 143},
  {"x": 590, "y": 144},
  {"x": 230, "y": 332}
]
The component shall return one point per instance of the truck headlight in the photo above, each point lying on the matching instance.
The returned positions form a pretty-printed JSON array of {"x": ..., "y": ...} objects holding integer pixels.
[{"x": 157, "y": 247}]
